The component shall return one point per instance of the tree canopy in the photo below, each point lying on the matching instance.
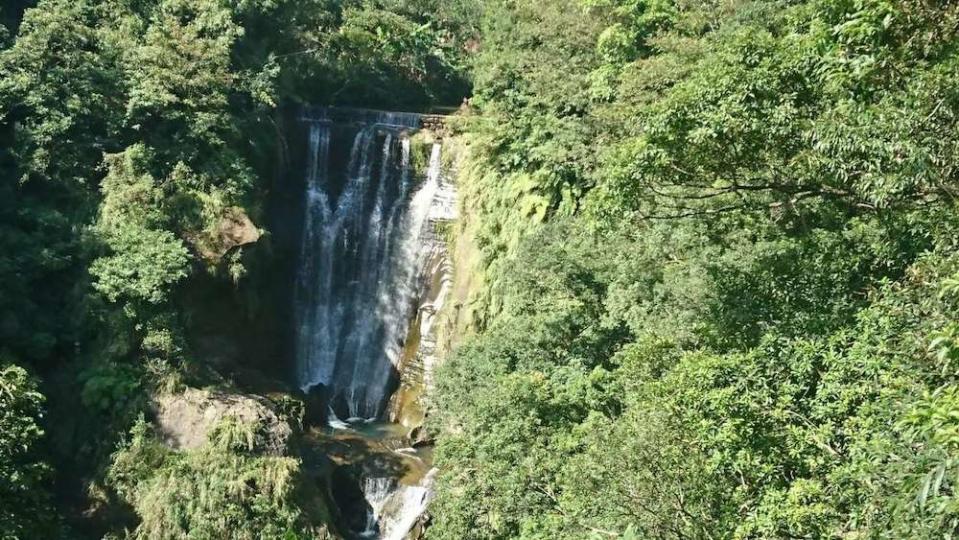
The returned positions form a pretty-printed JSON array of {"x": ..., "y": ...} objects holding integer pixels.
[
  {"x": 716, "y": 241},
  {"x": 719, "y": 253}
]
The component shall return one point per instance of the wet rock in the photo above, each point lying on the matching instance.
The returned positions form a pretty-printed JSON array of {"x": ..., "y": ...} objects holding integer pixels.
[
  {"x": 419, "y": 437},
  {"x": 418, "y": 532},
  {"x": 184, "y": 421},
  {"x": 316, "y": 402}
]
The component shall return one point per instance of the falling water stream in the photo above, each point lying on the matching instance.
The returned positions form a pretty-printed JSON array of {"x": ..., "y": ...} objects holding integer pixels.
[{"x": 368, "y": 256}]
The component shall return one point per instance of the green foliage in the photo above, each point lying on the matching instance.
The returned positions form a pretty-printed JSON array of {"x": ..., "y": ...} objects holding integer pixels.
[
  {"x": 109, "y": 387},
  {"x": 63, "y": 93},
  {"x": 746, "y": 329},
  {"x": 217, "y": 491},
  {"x": 552, "y": 422},
  {"x": 25, "y": 510},
  {"x": 144, "y": 264},
  {"x": 389, "y": 53},
  {"x": 777, "y": 115}
]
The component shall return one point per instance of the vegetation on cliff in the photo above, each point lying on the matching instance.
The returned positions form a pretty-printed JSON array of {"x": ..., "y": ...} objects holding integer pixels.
[{"x": 719, "y": 243}]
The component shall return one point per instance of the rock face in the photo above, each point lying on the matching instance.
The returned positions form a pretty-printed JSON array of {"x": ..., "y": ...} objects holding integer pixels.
[
  {"x": 236, "y": 229},
  {"x": 184, "y": 421}
]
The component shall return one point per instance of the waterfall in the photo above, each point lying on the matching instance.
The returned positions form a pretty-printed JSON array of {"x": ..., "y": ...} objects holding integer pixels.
[
  {"x": 377, "y": 491},
  {"x": 409, "y": 504},
  {"x": 362, "y": 258},
  {"x": 394, "y": 509},
  {"x": 371, "y": 272}
]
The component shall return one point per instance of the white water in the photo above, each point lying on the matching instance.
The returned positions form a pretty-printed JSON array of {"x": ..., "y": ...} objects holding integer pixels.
[
  {"x": 377, "y": 492},
  {"x": 361, "y": 261},
  {"x": 395, "y": 508},
  {"x": 367, "y": 254}
]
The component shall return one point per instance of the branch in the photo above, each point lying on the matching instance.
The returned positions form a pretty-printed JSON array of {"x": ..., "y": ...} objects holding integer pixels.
[{"x": 697, "y": 213}]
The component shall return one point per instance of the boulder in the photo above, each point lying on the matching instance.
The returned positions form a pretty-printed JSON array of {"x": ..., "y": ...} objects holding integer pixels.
[
  {"x": 184, "y": 421},
  {"x": 234, "y": 229},
  {"x": 317, "y": 406}
]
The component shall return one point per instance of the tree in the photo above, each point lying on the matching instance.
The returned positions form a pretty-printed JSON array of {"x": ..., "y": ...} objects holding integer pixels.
[{"x": 25, "y": 510}]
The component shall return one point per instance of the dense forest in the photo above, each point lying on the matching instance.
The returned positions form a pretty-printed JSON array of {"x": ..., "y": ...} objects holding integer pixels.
[
  {"x": 719, "y": 243},
  {"x": 710, "y": 247},
  {"x": 130, "y": 133}
]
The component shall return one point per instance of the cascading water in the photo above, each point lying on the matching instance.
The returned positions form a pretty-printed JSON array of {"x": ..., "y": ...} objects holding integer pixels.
[
  {"x": 360, "y": 262},
  {"x": 365, "y": 282},
  {"x": 377, "y": 491},
  {"x": 395, "y": 508}
]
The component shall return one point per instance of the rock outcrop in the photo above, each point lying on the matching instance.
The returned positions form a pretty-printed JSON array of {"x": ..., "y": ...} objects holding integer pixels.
[
  {"x": 185, "y": 421},
  {"x": 234, "y": 229}
]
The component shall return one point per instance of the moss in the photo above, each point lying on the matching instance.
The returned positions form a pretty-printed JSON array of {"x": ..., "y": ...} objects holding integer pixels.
[{"x": 421, "y": 147}]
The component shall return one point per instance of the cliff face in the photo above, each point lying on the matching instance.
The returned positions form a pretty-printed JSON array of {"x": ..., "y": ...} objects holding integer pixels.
[{"x": 462, "y": 314}]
